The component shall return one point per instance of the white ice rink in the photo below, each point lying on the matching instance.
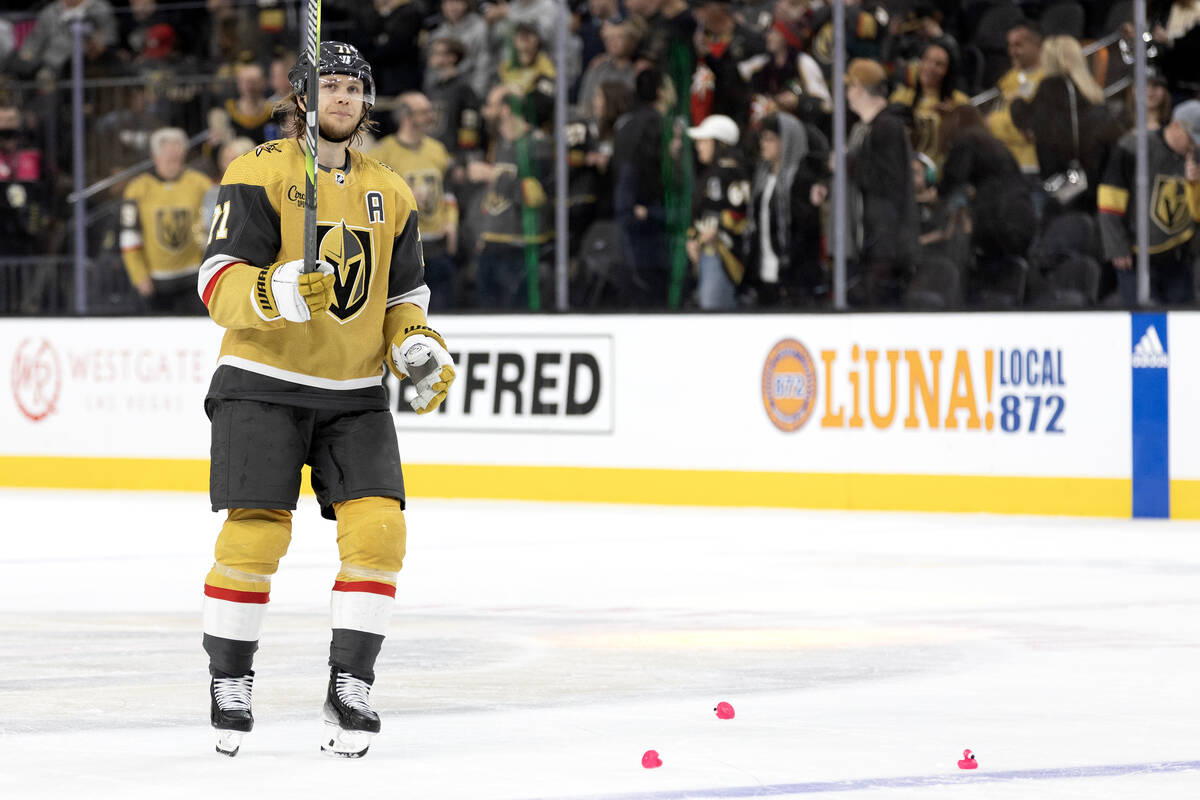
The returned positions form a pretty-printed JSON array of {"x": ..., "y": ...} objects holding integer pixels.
[{"x": 538, "y": 650}]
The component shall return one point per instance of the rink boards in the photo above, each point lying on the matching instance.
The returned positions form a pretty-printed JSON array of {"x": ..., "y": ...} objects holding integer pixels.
[{"x": 1047, "y": 413}]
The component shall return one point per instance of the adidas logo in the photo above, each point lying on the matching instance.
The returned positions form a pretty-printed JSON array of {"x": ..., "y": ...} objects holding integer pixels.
[{"x": 1149, "y": 352}]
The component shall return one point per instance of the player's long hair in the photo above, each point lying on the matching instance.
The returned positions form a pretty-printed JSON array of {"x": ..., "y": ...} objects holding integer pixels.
[{"x": 291, "y": 120}]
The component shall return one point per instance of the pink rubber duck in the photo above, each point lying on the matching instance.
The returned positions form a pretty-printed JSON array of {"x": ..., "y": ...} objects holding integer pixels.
[{"x": 968, "y": 761}]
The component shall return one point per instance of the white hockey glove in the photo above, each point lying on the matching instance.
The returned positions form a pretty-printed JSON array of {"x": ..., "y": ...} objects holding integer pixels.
[
  {"x": 419, "y": 354},
  {"x": 282, "y": 290}
]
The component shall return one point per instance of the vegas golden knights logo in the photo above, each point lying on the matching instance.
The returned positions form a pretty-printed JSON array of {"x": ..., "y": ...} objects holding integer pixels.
[
  {"x": 349, "y": 251},
  {"x": 173, "y": 227},
  {"x": 426, "y": 185},
  {"x": 1170, "y": 208}
]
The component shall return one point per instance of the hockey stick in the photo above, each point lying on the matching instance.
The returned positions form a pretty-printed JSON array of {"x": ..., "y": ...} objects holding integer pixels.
[{"x": 312, "y": 44}]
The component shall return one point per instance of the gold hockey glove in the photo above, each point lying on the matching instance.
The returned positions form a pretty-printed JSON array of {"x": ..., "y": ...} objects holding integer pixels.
[{"x": 419, "y": 353}]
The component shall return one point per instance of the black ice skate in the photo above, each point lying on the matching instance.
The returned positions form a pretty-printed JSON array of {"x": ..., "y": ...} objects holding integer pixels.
[
  {"x": 231, "y": 714},
  {"x": 350, "y": 723}
]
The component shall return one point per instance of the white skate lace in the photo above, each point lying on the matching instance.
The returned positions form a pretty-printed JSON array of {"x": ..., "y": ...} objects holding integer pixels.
[
  {"x": 353, "y": 692},
  {"x": 233, "y": 693}
]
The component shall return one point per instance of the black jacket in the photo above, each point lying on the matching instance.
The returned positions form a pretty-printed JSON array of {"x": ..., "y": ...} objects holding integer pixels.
[
  {"x": 1048, "y": 117},
  {"x": 1002, "y": 215},
  {"x": 879, "y": 168},
  {"x": 637, "y": 160}
]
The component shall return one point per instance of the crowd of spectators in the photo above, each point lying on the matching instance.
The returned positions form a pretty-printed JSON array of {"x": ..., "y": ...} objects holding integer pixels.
[{"x": 699, "y": 143}]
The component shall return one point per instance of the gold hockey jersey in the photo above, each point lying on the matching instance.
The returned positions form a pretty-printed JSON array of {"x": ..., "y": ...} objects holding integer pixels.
[
  {"x": 367, "y": 229},
  {"x": 158, "y": 219},
  {"x": 424, "y": 170}
]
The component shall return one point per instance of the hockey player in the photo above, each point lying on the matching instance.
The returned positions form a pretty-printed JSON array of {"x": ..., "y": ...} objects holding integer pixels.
[{"x": 298, "y": 382}]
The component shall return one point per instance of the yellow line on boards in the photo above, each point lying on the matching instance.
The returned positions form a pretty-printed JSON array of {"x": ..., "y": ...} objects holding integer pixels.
[
  {"x": 1185, "y": 499},
  {"x": 1094, "y": 497}
]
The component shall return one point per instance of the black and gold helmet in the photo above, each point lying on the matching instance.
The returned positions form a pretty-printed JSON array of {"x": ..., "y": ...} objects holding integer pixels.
[{"x": 335, "y": 58}]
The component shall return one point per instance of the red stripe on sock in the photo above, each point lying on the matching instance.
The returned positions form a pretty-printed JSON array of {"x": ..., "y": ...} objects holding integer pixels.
[
  {"x": 235, "y": 596},
  {"x": 374, "y": 587}
]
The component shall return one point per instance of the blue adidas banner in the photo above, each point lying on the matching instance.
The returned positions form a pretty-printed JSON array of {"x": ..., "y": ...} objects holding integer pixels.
[{"x": 1150, "y": 363}]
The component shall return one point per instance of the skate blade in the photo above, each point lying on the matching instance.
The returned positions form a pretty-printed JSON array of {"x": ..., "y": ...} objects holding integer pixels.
[
  {"x": 342, "y": 743},
  {"x": 229, "y": 742}
]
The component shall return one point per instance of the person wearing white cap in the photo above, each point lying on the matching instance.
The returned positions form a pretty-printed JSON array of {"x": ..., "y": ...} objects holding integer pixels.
[
  {"x": 1171, "y": 224},
  {"x": 1191, "y": 168},
  {"x": 719, "y": 217}
]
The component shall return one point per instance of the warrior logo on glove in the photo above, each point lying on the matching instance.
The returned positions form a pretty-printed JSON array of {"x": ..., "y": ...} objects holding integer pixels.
[{"x": 348, "y": 250}]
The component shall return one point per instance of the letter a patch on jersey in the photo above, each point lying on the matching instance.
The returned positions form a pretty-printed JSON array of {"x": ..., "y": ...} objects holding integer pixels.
[{"x": 351, "y": 253}]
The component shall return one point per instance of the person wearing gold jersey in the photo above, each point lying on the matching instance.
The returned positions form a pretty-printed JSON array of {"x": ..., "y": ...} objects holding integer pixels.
[
  {"x": 424, "y": 164},
  {"x": 1025, "y": 50},
  {"x": 158, "y": 216},
  {"x": 299, "y": 381},
  {"x": 932, "y": 96}
]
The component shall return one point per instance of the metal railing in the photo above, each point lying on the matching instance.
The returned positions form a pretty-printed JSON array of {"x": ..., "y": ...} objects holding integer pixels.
[{"x": 987, "y": 96}]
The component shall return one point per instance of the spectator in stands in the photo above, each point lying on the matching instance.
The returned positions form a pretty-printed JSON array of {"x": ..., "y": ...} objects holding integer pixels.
[
  {"x": 133, "y": 26},
  {"x": 225, "y": 156},
  {"x": 865, "y": 36},
  {"x": 719, "y": 213},
  {"x": 277, "y": 75},
  {"x": 1067, "y": 83},
  {"x": 461, "y": 23},
  {"x": 981, "y": 176},
  {"x": 614, "y": 65},
  {"x": 910, "y": 32},
  {"x": 455, "y": 104},
  {"x": 503, "y": 18},
  {"x": 158, "y": 47},
  {"x": 23, "y": 196},
  {"x": 666, "y": 33},
  {"x": 638, "y": 199},
  {"x": 8, "y": 43},
  {"x": 228, "y": 33},
  {"x": 592, "y": 17},
  {"x": 47, "y": 49},
  {"x": 938, "y": 233},
  {"x": 388, "y": 32},
  {"x": 610, "y": 102},
  {"x": 785, "y": 244},
  {"x": 787, "y": 78},
  {"x": 1178, "y": 38},
  {"x": 516, "y": 212},
  {"x": 527, "y": 62},
  {"x": 1158, "y": 101},
  {"x": 124, "y": 133},
  {"x": 1189, "y": 119},
  {"x": 425, "y": 165},
  {"x": 726, "y": 51},
  {"x": 158, "y": 218},
  {"x": 1172, "y": 259},
  {"x": 933, "y": 94},
  {"x": 879, "y": 179},
  {"x": 1025, "y": 50},
  {"x": 248, "y": 114}
]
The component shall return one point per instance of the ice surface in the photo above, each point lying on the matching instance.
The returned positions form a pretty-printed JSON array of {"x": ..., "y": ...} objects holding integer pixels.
[{"x": 538, "y": 650}]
